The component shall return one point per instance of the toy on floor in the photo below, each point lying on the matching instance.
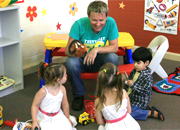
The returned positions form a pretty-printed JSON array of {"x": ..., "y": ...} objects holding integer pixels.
[
  {"x": 89, "y": 107},
  {"x": 37, "y": 128},
  {"x": 23, "y": 125},
  {"x": 11, "y": 123},
  {"x": 4, "y": 3},
  {"x": 84, "y": 119},
  {"x": 1, "y": 119},
  {"x": 28, "y": 126}
]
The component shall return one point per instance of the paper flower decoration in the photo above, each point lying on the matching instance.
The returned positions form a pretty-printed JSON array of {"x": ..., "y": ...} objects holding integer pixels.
[
  {"x": 31, "y": 12},
  {"x": 73, "y": 9}
]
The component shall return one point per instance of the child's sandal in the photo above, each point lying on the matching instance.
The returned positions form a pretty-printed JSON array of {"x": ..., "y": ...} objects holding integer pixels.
[
  {"x": 148, "y": 108},
  {"x": 159, "y": 113}
]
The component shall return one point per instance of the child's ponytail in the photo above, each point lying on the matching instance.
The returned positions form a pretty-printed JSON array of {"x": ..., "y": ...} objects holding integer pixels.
[
  {"x": 41, "y": 68},
  {"x": 121, "y": 81},
  {"x": 120, "y": 86}
]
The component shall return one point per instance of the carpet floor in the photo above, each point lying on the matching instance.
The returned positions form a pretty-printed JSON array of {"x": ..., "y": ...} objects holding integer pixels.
[{"x": 18, "y": 104}]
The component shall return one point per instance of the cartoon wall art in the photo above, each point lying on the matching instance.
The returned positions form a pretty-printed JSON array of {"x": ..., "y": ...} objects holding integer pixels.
[
  {"x": 58, "y": 26},
  {"x": 44, "y": 12},
  {"x": 121, "y": 5},
  {"x": 20, "y": 1},
  {"x": 161, "y": 16},
  {"x": 31, "y": 12},
  {"x": 73, "y": 8},
  {"x": 4, "y": 3}
]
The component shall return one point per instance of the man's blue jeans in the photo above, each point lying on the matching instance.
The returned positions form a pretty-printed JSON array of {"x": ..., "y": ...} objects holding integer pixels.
[
  {"x": 75, "y": 66},
  {"x": 138, "y": 113}
]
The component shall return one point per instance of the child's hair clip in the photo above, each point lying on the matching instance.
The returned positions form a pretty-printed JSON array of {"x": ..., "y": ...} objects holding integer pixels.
[
  {"x": 117, "y": 73},
  {"x": 46, "y": 64},
  {"x": 104, "y": 70}
]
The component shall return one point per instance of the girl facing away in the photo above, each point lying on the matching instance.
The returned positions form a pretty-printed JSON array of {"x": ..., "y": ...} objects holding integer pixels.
[
  {"x": 112, "y": 107},
  {"x": 46, "y": 108}
]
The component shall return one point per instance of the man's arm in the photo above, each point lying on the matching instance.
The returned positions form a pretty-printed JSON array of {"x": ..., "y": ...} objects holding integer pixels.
[{"x": 112, "y": 48}]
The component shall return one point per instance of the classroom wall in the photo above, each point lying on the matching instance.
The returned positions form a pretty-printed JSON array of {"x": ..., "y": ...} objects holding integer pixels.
[
  {"x": 131, "y": 19},
  {"x": 52, "y": 16}
]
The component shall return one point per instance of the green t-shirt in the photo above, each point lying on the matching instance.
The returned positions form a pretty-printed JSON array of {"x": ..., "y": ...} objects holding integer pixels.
[{"x": 81, "y": 30}]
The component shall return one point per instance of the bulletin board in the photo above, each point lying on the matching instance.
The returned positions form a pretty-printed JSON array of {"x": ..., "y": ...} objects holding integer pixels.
[{"x": 161, "y": 16}]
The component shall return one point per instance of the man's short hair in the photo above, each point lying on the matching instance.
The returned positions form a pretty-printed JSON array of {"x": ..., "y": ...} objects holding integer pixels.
[
  {"x": 98, "y": 7},
  {"x": 142, "y": 53}
]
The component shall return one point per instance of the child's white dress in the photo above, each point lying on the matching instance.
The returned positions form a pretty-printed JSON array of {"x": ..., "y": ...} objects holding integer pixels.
[
  {"x": 111, "y": 113},
  {"x": 52, "y": 104}
]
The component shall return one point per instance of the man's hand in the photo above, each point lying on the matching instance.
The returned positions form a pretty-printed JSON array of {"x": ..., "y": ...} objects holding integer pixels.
[{"x": 90, "y": 57}]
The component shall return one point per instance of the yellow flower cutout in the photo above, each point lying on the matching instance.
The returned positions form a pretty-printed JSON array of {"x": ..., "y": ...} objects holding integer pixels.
[{"x": 73, "y": 9}]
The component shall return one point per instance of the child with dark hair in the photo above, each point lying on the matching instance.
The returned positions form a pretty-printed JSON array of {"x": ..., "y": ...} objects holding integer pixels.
[
  {"x": 46, "y": 108},
  {"x": 140, "y": 86},
  {"x": 113, "y": 102}
]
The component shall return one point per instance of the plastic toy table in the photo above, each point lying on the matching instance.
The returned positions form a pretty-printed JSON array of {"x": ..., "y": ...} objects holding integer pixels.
[{"x": 124, "y": 40}]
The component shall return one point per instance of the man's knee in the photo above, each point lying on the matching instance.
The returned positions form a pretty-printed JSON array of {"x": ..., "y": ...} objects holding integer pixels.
[
  {"x": 71, "y": 61},
  {"x": 113, "y": 58}
]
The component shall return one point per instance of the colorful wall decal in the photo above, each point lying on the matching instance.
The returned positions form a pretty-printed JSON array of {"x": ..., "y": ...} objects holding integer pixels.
[
  {"x": 161, "y": 16},
  {"x": 4, "y": 3},
  {"x": 58, "y": 26},
  {"x": 31, "y": 12},
  {"x": 20, "y": 1},
  {"x": 73, "y": 9},
  {"x": 121, "y": 5},
  {"x": 44, "y": 12}
]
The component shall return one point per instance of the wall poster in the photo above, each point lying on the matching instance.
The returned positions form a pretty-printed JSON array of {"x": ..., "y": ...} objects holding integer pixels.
[{"x": 161, "y": 16}]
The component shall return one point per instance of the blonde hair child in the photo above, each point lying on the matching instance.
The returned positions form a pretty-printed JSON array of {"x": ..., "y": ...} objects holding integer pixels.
[{"x": 113, "y": 102}]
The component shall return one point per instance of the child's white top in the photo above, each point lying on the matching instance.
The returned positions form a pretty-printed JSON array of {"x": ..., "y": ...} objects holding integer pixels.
[
  {"x": 111, "y": 113},
  {"x": 52, "y": 104}
]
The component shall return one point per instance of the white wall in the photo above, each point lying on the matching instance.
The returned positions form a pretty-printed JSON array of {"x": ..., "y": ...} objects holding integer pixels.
[{"x": 34, "y": 32}]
